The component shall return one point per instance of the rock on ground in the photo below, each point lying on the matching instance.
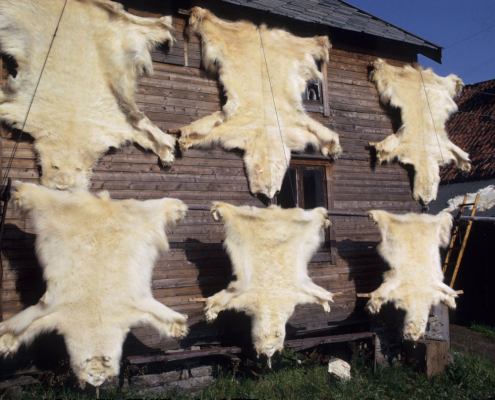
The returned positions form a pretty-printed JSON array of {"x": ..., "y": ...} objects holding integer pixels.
[{"x": 339, "y": 368}]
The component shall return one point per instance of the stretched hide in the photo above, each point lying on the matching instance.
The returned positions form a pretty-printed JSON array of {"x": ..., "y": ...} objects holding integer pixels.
[
  {"x": 485, "y": 202},
  {"x": 97, "y": 257},
  {"x": 249, "y": 119},
  {"x": 85, "y": 100},
  {"x": 422, "y": 140},
  {"x": 410, "y": 245},
  {"x": 270, "y": 250}
]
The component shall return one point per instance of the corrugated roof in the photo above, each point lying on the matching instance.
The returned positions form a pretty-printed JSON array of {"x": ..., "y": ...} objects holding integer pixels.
[
  {"x": 338, "y": 14},
  {"x": 473, "y": 130}
]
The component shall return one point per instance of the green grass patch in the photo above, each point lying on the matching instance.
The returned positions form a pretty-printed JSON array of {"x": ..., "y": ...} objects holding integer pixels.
[
  {"x": 468, "y": 377},
  {"x": 487, "y": 330}
]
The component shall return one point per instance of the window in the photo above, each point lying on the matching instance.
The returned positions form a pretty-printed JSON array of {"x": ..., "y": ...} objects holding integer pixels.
[
  {"x": 315, "y": 96},
  {"x": 312, "y": 92},
  {"x": 307, "y": 188}
]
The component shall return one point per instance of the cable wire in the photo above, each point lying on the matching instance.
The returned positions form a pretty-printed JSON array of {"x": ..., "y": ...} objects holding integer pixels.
[
  {"x": 278, "y": 121},
  {"x": 478, "y": 67},
  {"x": 469, "y": 37},
  {"x": 11, "y": 159},
  {"x": 479, "y": 91},
  {"x": 436, "y": 133}
]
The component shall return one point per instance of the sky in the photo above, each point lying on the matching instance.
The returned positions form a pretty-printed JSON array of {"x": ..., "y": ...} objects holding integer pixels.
[{"x": 446, "y": 22}]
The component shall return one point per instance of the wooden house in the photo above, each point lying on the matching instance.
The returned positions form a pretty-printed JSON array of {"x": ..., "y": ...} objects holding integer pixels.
[{"x": 180, "y": 92}]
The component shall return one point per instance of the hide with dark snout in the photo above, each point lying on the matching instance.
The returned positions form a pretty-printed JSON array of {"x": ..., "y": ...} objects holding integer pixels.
[
  {"x": 97, "y": 256},
  {"x": 410, "y": 245},
  {"x": 270, "y": 250},
  {"x": 261, "y": 95},
  {"x": 426, "y": 102}
]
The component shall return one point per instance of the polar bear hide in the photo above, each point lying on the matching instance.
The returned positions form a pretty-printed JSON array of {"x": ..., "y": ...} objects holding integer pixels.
[
  {"x": 485, "y": 202},
  {"x": 410, "y": 245},
  {"x": 422, "y": 140},
  {"x": 84, "y": 103},
  {"x": 97, "y": 256},
  {"x": 270, "y": 250},
  {"x": 260, "y": 96}
]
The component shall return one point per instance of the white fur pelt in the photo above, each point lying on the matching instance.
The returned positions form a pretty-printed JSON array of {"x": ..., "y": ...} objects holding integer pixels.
[
  {"x": 97, "y": 256},
  {"x": 85, "y": 100},
  {"x": 410, "y": 245},
  {"x": 249, "y": 120},
  {"x": 421, "y": 141},
  {"x": 270, "y": 250},
  {"x": 485, "y": 202}
]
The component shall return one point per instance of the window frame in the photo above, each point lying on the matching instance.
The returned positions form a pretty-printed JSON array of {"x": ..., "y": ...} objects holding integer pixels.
[
  {"x": 321, "y": 106},
  {"x": 300, "y": 163}
]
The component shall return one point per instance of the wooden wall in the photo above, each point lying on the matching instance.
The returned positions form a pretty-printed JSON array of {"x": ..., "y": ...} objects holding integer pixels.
[{"x": 196, "y": 265}]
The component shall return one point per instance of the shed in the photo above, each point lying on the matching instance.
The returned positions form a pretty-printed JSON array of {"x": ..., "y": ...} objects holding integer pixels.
[
  {"x": 180, "y": 92},
  {"x": 473, "y": 128}
]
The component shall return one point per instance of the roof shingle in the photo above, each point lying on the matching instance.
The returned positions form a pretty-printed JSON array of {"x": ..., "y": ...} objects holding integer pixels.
[
  {"x": 473, "y": 130},
  {"x": 338, "y": 14}
]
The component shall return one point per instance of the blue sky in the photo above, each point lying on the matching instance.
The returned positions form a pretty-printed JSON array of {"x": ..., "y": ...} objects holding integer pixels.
[{"x": 445, "y": 22}]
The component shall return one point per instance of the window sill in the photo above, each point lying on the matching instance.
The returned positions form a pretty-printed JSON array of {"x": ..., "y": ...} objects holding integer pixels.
[
  {"x": 310, "y": 156},
  {"x": 313, "y": 106}
]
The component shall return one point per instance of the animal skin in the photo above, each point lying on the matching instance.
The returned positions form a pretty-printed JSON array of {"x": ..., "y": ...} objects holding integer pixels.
[
  {"x": 422, "y": 141},
  {"x": 270, "y": 250},
  {"x": 249, "y": 120},
  {"x": 85, "y": 100},
  {"x": 410, "y": 245},
  {"x": 97, "y": 256},
  {"x": 485, "y": 202}
]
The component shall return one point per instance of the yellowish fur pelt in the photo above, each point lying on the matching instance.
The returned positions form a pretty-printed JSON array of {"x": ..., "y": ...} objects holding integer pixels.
[
  {"x": 422, "y": 140},
  {"x": 249, "y": 119},
  {"x": 270, "y": 250},
  {"x": 85, "y": 100},
  {"x": 97, "y": 256},
  {"x": 410, "y": 245}
]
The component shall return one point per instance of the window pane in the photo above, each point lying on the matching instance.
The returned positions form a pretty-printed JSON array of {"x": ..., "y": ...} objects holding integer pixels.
[
  {"x": 313, "y": 188},
  {"x": 312, "y": 91},
  {"x": 285, "y": 199}
]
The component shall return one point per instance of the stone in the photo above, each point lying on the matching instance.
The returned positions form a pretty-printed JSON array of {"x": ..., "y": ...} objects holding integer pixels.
[
  {"x": 114, "y": 384},
  {"x": 20, "y": 381},
  {"x": 153, "y": 390},
  {"x": 190, "y": 385},
  {"x": 340, "y": 369},
  {"x": 13, "y": 392},
  {"x": 204, "y": 370},
  {"x": 180, "y": 382},
  {"x": 147, "y": 381},
  {"x": 180, "y": 387}
]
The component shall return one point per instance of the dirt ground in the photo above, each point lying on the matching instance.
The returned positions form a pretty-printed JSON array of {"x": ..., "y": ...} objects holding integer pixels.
[{"x": 465, "y": 339}]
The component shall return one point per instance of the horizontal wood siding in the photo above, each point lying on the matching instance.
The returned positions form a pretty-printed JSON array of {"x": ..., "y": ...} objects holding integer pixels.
[{"x": 197, "y": 265}]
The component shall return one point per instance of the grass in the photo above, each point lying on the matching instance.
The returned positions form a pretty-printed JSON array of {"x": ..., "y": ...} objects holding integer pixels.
[
  {"x": 468, "y": 377},
  {"x": 487, "y": 330}
]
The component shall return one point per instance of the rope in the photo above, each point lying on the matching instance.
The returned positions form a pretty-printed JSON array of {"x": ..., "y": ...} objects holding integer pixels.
[
  {"x": 278, "y": 121},
  {"x": 436, "y": 133},
  {"x": 11, "y": 159}
]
